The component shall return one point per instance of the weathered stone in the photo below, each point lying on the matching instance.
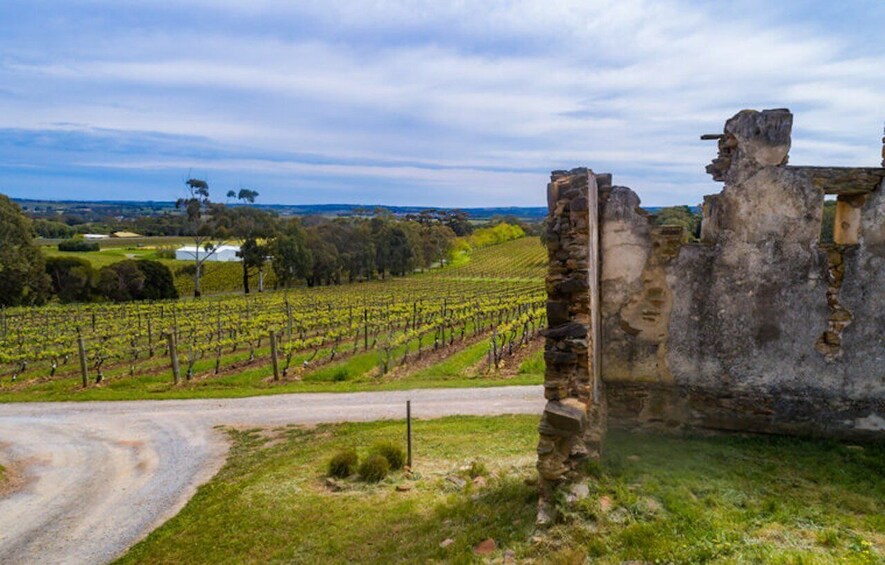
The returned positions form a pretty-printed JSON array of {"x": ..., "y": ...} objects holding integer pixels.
[
  {"x": 559, "y": 358},
  {"x": 569, "y": 330},
  {"x": 567, "y": 415},
  {"x": 557, "y": 312},
  {"x": 485, "y": 547}
]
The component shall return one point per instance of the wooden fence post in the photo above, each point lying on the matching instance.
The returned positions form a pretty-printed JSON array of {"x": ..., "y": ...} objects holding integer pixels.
[
  {"x": 273, "y": 355},
  {"x": 409, "y": 433},
  {"x": 82, "y": 350},
  {"x": 173, "y": 355}
]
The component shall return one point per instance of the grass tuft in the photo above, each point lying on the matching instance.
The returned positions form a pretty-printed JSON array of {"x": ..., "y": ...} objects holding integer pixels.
[
  {"x": 390, "y": 451},
  {"x": 374, "y": 468},
  {"x": 343, "y": 464}
]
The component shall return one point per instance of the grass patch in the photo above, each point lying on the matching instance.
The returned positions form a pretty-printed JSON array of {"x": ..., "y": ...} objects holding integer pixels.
[
  {"x": 657, "y": 499},
  {"x": 534, "y": 364}
]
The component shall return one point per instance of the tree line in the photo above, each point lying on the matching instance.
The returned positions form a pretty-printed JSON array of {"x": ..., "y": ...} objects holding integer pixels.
[
  {"x": 317, "y": 250},
  {"x": 312, "y": 250}
]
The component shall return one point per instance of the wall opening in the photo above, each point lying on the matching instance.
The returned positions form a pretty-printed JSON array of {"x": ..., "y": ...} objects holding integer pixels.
[{"x": 828, "y": 220}]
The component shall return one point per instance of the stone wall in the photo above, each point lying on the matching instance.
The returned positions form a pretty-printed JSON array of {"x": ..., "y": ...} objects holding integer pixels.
[
  {"x": 756, "y": 327},
  {"x": 573, "y": 423}
]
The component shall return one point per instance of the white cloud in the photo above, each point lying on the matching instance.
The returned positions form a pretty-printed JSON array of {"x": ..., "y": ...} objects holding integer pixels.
[{"x": 515, "y": 86}]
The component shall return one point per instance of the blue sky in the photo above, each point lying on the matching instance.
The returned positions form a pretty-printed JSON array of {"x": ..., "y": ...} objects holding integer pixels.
[{"x": 424, "y": 103}]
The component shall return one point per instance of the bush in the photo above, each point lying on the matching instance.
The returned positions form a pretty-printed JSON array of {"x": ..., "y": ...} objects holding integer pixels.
[
  {"x": 158, "y": 281},
  {"x": 374, "y": 468},
  {"x": 121, "y": 281},
  {"x": 50, "y": 229},
  {"x": 72, "y": 278},
  {"x": 343, "y": 463},
  {"x": 390, "y": 451},
  {"x": 78, "y": 245}
]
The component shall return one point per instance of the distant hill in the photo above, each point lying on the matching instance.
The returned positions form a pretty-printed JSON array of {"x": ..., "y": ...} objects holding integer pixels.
[{"x": 130, "y": 209}]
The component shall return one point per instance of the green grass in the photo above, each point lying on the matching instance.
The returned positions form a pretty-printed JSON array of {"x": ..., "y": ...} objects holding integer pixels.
[
  {"x": 669, "y": 499},
  {"x": 534, "y": 364}
]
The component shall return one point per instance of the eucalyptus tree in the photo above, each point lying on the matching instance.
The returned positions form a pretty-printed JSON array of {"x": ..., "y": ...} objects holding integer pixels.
[{"x": 202, "y": 216}]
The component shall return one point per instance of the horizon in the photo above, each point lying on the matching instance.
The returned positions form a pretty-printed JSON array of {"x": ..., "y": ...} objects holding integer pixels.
[{"x": 417, "y": 103}]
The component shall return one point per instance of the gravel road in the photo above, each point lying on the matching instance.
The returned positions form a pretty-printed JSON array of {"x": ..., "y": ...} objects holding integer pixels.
[{"x": 101, "y": 475}]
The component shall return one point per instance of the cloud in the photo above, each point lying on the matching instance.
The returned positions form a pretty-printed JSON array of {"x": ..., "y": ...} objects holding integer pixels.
[{"x": 426, "y": 102}]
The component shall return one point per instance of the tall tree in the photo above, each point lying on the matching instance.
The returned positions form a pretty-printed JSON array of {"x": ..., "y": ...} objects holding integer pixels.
[
  {"x": 254, "y": 228},
  {"x": 72, "y": 278},
  {"x": 23, "y": 278},
  {"x": 290, "y": 255},
  {"x": 198, "y": 210}
]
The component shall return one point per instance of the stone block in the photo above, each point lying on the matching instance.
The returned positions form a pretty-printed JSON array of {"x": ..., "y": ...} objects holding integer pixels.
[
  {"x": 568, "y": 415},
  {"x": 569, "y": 330},
  {"x": 557, "y": 312}
]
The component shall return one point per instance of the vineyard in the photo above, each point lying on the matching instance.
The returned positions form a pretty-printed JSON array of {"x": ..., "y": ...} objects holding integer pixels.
[{"x": 370, "y": 334}]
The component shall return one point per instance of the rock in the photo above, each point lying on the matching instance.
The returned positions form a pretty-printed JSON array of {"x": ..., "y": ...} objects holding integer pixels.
[
  {"x": 605, "y": 504},
  {"x": 557, "y": 313},
  {"x": 571, "y": 329},
  {"x": 619, "y": 516},
  {"x": 333, "y": 485},
  {"x": 405, "y": 487},
  {"x": 578, "y": 491},
  {"x": 457, "y": 481},
  {"x": 446, "y": 542},
  {"x": 485, "y": 547},
  {"x": 568, "y": 415}
]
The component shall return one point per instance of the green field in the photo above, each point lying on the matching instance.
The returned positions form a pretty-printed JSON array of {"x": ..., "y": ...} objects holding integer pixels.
[
  {"x": 470, "y": 324},
  {"x": 655, "y": 500}
]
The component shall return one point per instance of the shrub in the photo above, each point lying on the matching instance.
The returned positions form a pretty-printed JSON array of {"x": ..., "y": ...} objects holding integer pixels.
[
  {"x": 390, "y": 451},
  {"x": 343, "y": 463},
  {"x": 374, "y": 468},
  {"x": 158, "y": 281},
  {"x": 72, "y": 278},
  {"x": 77, "y": 245}
]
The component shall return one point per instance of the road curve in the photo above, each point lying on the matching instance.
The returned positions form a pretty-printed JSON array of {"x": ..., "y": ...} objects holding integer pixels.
[{"x": 102, "y": 475}]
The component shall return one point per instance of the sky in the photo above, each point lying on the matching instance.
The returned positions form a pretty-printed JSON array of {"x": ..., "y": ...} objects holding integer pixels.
[{"x": 431, "y": 103}]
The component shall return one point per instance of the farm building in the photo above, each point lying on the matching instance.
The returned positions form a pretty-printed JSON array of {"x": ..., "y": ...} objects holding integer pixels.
[
  {"x": 95, "y": 236},
  {"x": 124, "y": 234},
  {"x": 221, "y": 253}
]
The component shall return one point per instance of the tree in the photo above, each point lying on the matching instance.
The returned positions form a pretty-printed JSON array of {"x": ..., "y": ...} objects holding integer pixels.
[
  {"x": 393, "y": 251},
  {"x": 158, "y": 281},
  {"x": 72, "y": 278},
  {"x": 50, "y": 229},
  {"x": 325, "y": 263},
  {"x": 290, "y": 255},
  {"x": 23, "y": 278},
  {"x": 198, "y": 210},
  {"x": 121, "y": 281},
  {"x": 251, "y": 225},
  {"x": 680, "y": 216}
]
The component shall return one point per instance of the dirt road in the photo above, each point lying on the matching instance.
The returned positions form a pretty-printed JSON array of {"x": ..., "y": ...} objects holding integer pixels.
[{"x": 101, "y": 475}]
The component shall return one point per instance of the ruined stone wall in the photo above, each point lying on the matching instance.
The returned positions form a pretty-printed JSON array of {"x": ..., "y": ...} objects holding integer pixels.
[
  {"x": 756, "y": 327},
  {"x": 573, "y": 422}
]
